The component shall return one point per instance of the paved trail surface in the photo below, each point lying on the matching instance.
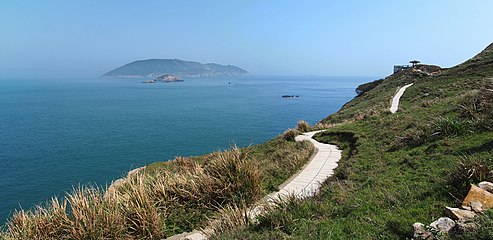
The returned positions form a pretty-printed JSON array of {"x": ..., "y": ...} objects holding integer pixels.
[
  {"x": 305, "y": 183},
  {"x": 395, "y": 101}
]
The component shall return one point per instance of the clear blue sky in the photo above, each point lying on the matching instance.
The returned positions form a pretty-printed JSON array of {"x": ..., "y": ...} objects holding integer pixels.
[{"x": 87, "y": 38}]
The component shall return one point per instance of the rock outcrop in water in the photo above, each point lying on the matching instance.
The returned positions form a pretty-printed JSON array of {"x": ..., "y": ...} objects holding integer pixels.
[{"x": 167, "y": 78}]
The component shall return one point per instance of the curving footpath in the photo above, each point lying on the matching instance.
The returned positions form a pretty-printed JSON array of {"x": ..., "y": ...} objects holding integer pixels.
[
  {"x": 321, "y": 166},
  {"x": 305, "y": 183},
  {"x": 395, "y": 101}
]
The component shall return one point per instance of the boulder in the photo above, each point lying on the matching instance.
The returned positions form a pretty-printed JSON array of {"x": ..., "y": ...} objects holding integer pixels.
[
  {"x": 420, "y": 231},
  {"x": 477, "y": 206},
  {"x": 486, "y": 186},
  {"x": 468, "y": 208},
  {"x": 442, "y": 225},
  {"x": 134, "y": 171},
  {"x": 112, "y": 188},
  {"x": 478, "y": 199},
  {"x": 459, "y": 214}
]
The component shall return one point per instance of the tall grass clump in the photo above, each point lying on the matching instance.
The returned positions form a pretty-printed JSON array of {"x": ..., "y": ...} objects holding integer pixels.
[
  {"x": 470, "y": 170},
  {"x": 451, "y": 126},
  {"x": 144, "y": 216},
  {"x": 290, "y": 134},
  {"x": 85, "y": 213},
  {"x": 322, "y": 126},
  {"x": 302, "y": 126},
  {"x": 39, "y": 223},
  {"x": 229, "y": 218},
  {"x": 93, "y": 215},
  {"x": 236, "y": 174}
]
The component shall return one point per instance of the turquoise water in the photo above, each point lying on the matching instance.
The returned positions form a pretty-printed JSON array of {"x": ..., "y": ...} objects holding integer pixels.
[{"x": 55, "y": 134}]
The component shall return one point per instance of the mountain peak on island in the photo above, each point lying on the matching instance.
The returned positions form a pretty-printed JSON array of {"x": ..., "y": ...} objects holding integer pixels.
[{"x": 158, "y": 67}]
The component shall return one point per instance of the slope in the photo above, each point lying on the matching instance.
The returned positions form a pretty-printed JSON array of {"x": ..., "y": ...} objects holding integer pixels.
[{"x": 400, "y": 168}]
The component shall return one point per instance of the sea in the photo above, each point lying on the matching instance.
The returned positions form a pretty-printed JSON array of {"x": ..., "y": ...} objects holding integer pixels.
[{"x": 57, "y": 134}]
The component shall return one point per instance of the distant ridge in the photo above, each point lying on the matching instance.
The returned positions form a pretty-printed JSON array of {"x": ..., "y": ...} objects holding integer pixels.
[{"x": 157, "y": 67}]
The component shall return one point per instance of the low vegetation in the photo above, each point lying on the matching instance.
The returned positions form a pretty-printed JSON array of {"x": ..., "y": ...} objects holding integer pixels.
[
  {"x": 165, "y": 198},
  {"x": 400, "y": 168}
]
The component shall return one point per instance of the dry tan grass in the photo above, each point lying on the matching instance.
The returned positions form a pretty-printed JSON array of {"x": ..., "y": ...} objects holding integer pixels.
[
  {"x": 303, "y": 126},
  {"x": 228, "y": 218},
  {"x": 142, "y": 205},
  {"x": 290, "y": 134}
]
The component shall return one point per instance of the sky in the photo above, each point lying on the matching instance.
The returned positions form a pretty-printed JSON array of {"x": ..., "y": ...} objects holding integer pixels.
[{"x": 86, "y": 38}]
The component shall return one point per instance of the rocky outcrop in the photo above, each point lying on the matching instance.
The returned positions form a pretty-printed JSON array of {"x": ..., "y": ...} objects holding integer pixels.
[
  {"x": 486, "y": 186},
  {"x": 421, "y": 232},
  {"x": 478, "y": 199},
  {"x": 118, "y": 182},
  {"x": 169, "y": 78},
  {"x": 443, "y": 225},
  {"x": 459, "y": 214}
]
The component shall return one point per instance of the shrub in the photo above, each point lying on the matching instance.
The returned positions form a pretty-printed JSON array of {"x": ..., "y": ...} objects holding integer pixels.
[
  {"x": 229, "y": 218},
  {"x": 93, "y": 215},
  {"x": 469, "y": 170},
  {"x": 40, "y": 223},
  {"x": 450, "y": 126},
  {"x": 290, "y": 134},
  {"x": 302, "y": 126},
  {"x": 235, "y": 174}
]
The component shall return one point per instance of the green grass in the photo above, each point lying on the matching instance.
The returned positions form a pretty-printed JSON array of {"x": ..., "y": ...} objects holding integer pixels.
[{"x": 400, "y": 168}]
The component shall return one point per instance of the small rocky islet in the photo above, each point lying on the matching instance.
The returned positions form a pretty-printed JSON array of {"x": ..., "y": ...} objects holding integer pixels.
[{"x": 166, "y": 78}]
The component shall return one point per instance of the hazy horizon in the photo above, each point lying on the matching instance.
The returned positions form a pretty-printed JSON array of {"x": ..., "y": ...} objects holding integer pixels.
[{"x": 76, "y": 39}]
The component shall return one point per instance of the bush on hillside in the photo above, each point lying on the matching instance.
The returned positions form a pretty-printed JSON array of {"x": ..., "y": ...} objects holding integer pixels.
[
  {"x": 290, "y": 134},
  {"x": 452, "y": 126},
  {"x": 303, "y": 126},
  {"x": 470, "y": 170}
]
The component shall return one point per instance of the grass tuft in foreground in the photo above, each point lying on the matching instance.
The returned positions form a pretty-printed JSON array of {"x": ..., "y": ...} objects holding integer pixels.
[{"x": 165, "y": 198}]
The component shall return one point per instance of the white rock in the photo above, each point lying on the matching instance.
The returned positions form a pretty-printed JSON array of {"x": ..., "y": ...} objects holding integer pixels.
[
  {"x": 134, "y": 171},
  {"x": 459, "y": 214},
  {"x": 442, "y": 225},
  {"x": 477, "y": 206},
  {"x": 486, "y": 186},
  {"x": 420, "y": 232}
]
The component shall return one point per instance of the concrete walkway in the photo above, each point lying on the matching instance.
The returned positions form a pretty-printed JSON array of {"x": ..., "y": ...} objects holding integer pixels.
[
  {"x": 321, "y": 166},
  {"x": 304, "y": 184},
  {"x": 395, "y": 101}
]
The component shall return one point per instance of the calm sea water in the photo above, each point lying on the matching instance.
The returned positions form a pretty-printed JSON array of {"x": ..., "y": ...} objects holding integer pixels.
[{"x": 55, "y": 134}]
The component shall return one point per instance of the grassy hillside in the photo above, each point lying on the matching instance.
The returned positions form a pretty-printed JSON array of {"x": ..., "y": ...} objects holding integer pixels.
[{"x": 400, "y": 168}]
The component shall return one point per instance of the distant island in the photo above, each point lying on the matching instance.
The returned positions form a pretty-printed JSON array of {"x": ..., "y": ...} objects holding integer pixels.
[
  {"x": 180, "y": 68},
  {"x": 167, "y": 78}
]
